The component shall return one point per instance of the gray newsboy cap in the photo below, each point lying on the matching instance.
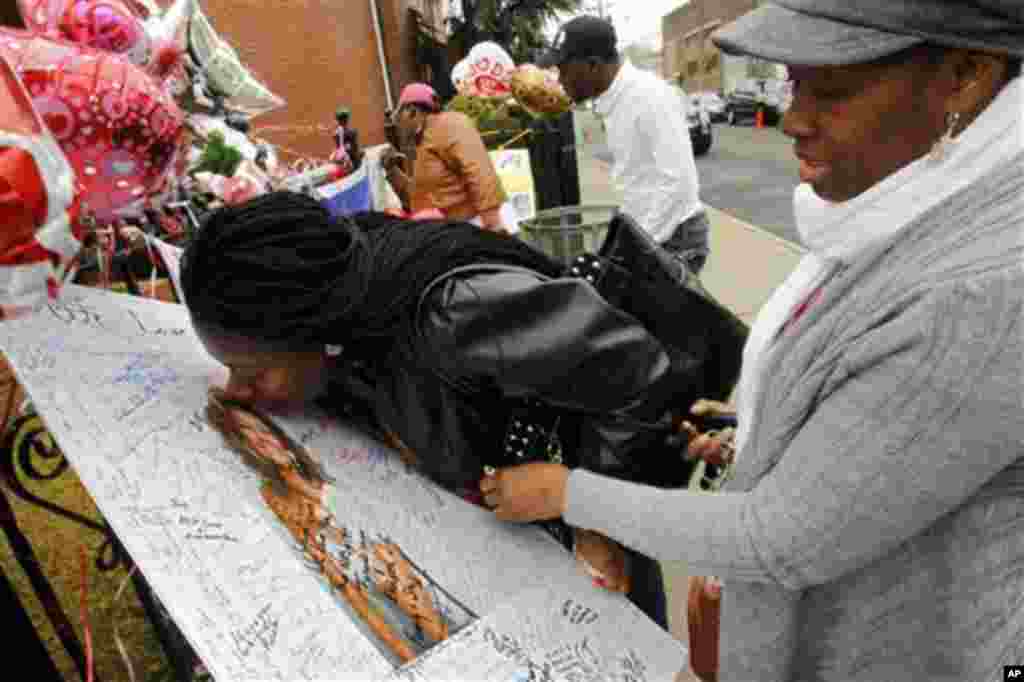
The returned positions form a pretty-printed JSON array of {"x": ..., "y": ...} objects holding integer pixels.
[{"x": 839, "y": 32}]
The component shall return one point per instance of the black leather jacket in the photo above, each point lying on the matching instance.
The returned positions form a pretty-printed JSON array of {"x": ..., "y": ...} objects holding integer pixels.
[{"x": 497, "y": 334}]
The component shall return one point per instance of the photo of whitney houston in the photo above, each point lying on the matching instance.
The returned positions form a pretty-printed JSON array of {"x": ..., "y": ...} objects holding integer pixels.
[{"x": 390, "y": 598}]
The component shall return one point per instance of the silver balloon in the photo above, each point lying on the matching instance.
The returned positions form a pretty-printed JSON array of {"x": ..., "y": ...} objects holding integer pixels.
[{"x": 225, "y": 73}]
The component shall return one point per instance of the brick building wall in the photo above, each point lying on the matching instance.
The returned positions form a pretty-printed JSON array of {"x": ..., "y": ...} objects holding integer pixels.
[
  {"x": 400, "y": 29},
  {"x": 317, "y": 55},
  {"x": 690, "y": 57}
]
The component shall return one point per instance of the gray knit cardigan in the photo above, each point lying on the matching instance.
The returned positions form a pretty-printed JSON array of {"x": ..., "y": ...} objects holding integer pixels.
[{"x": 875, "y": 528}]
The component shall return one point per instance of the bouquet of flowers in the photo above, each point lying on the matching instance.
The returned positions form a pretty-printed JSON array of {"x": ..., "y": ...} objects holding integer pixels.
[{"x": 538, "y": 90}]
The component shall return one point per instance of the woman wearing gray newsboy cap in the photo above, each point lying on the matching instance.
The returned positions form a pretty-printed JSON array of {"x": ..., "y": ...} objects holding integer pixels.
[{"x": 873, "y": 530}]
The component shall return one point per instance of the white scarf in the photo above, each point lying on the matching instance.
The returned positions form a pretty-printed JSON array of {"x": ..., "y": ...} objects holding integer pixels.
[{"x": 837, "y": 233}]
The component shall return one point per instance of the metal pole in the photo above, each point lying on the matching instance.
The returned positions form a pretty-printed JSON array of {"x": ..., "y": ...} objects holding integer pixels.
[
  {"x": 700, "y": 51},
  {"x": 380, "y": 54}
]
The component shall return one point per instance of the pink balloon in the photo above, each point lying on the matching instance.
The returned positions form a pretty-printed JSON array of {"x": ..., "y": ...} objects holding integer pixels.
[
  {"x": 117, "y": 125},
  {"x": 38, "y": 233},
  {"x": 154, "y": 42},
  {"x": 42, "y": 16},
  {"x": 106, "y": 25}
]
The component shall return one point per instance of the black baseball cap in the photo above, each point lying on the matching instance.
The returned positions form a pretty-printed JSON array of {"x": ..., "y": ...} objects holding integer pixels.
[{"x": 582, "y": 38}]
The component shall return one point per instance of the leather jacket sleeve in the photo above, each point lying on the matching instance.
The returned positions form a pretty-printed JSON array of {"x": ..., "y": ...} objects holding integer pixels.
[{"x": 557, "y": 340}]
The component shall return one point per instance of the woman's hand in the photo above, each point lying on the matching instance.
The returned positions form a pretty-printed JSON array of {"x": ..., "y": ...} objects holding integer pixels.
[
  {"x": 491, "y": 220},
  {"x": 528, "y": 492},
  {"x": 712, "y": 408},
  {"x": 391, "y": 158},
  {"x": 714, "y": 447},
  {"x": 603, "y": 559}
]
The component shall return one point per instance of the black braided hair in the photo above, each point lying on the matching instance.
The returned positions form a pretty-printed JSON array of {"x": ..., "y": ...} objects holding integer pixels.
[{"x": 280, "y": 268}]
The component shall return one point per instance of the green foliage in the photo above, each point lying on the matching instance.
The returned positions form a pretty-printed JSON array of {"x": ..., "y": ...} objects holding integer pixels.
[
  {"x": 488, "y": 111},
  {"x": 499, "y": 121},
  {"x": 502, "y": 123},
  {"x": 516, "y": 25},
  {"x": 218, "y": 157}
]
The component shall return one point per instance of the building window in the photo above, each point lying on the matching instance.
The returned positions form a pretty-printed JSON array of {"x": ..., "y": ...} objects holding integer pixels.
[{"x": 760, "y": 68}]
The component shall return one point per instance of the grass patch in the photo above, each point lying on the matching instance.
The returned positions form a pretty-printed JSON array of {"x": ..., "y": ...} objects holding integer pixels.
[{"x": 57, "y": 543}]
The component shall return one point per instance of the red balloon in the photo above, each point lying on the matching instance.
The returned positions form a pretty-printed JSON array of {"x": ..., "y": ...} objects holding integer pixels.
[
  {"x": 156, "y": 42},
  {"x": 119, "y": 128},
  {"x": 106, "y": 25},
  {"x": 41, "y": 16},
  {"x": 37, "y": 202}
]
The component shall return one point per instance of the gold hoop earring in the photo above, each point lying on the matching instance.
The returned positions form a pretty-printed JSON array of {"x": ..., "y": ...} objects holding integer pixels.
[{"x": 946, "y": 144}]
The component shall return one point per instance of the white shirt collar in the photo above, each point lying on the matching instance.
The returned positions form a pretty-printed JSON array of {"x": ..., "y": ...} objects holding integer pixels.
[{"x": 606, "y": 101}]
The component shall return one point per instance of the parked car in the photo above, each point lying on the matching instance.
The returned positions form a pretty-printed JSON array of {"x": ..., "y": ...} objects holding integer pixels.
[
  {"x": 699, "y": 121},
  {"x": 712, "y": 103},
  {"x": 743, "y": 105}
]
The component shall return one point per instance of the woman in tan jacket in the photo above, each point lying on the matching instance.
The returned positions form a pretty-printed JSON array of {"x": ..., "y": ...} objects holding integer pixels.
[{"x": 451, "y": 169}]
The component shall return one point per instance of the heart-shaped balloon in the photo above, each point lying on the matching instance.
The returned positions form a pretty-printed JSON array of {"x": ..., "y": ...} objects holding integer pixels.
[
  {"x": 42, "y": 16},
  {"x": 149, "y": 38},
  {"x": 106, "y": 25},
  {"x": 117, "y": 125},
  {"x": 155, "y": 40},
  {"x": 38, "y": 237}
]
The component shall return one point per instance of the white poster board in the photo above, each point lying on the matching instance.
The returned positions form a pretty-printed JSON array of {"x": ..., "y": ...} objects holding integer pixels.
[
  {"x": 121, "y": 383},
  {"x": 546, "y": 635}
]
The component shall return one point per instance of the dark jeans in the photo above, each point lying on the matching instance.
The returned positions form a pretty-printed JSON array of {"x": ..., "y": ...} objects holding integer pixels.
[
  {"x": 689, "y": 243},
  {"x": 648, "y": 588}
]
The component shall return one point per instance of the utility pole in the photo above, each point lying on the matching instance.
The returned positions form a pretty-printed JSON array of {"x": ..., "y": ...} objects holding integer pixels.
[{"x": 701, "y": 6}]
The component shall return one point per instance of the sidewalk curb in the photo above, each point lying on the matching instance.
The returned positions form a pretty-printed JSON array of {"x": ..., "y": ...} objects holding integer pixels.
[
  {"x": 760, "y": 231},
  {"x": 790, "y": 246},
  {"x": 785, "y": 243}
]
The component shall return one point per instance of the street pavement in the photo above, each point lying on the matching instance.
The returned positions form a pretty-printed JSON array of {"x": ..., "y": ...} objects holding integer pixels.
[
  {"x": 747, "y": 260},
  {"x": 749, "y": 172}
]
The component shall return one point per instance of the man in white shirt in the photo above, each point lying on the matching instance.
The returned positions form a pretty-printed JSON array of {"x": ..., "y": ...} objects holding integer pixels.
[{"x": 647, "y": 132}]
